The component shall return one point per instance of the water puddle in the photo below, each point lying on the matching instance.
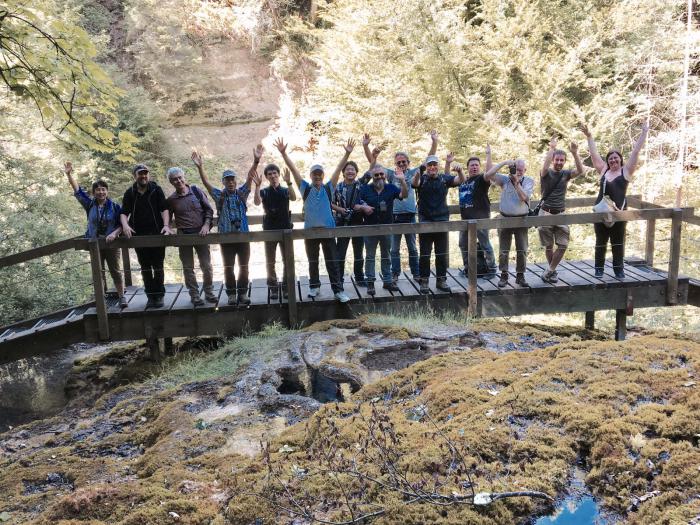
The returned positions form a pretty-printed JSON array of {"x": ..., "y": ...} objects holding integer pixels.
[{"x": 579, "y": 507}]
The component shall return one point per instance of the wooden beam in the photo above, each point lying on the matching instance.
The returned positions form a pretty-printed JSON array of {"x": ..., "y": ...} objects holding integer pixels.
[
  {"x": 650, "y": 242},
  {"x": 590, "y": 320},
  {"x": 290, "y": 277},
  {"x": 674, "y": 257},
  {"x": 100, "y": 303},
  {"x": 41, "y": 251},
  {"x": 620, "y": 324},
  {"x": 471, "y": 269},
  {"x": 126, "y": 265}
]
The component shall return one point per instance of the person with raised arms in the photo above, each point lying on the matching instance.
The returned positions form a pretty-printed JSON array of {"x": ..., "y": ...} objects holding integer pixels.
[
  {"x": 275, "y": 200},
  {"x": 231, "y": 204},
  {"x": 432, "y": 187},
  {"x": 615, "y": 177},
  {"x": 404, "y": 210},
  {"x": 318, "y": 213},
  {"x": 103, "y": 221},
  {"x": 553, "y": 184}
]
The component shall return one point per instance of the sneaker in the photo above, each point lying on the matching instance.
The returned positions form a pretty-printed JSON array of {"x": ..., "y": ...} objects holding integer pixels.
[
  {"x": 547, "y": 276},
  {"x": 243, "y": 298},
  {"x": 441, "y": 285},
  {"x": 620, "y": 274},
  {"x": 362, "y": 283},
  {"x": 274, "y": 293},
  {"x": 424, "y": 288},
  {"x": 503, "y": 281},
  {"x": 210, "y": 297},
  {"x": 395, "y": 278},
  {"x": 391, "y": 287},
  {"x": 197, "y": 301},
  {"x": 285, "y": 295},
  {"x": 463, "y": 272},
  {"x": 313, "y": 292},
  {"x": 520, "y": 280},
  {"x": 370, "y": 288},
  {"x": 599, "y": 272},
  {"x": 555, "y": 276},
  {"x": 342, "y": 297},
  {"x": 158, "y": 302},
  {"x": 123, "y": 302},
  {"x": 232, "y": 299}
]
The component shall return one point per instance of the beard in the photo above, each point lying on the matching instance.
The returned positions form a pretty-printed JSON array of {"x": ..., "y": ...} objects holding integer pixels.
[{"x": 379, "y": 185}]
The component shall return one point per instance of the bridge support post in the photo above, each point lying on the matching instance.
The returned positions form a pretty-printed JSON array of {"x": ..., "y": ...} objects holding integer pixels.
[
  {"x": 98, "y": 287},
  {"x": 126, "y": 264},
  {"x": 590, "y": 320},
  {"x": 155, "y": 350},
  {"x": 674, "y": 258},
  {"x": 471, "y": 269},
  {"x": 620, "y": 324},
  {"x": 291, "y": 278},
  {"x": 650, "y": 241}
]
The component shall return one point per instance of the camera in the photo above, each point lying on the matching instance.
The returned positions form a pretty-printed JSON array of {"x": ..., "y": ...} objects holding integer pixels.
[
  {"x": 512, "y": 169},
  {"x": 422, "y": 168},
  {"x": 236, "y": 224},
  {"x": 102, "y": 228}
]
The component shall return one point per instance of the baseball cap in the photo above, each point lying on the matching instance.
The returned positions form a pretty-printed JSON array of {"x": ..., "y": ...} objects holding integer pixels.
[
  {"x": 227, "y": 173},
  {"x": 432, "y": 158},
  {"x": 138, "y": 168},
  {"x": 316, "y": 167}
]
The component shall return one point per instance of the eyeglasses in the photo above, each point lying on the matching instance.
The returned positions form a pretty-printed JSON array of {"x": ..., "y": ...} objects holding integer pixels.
[
  {"x": 176, "y": 179},
  {"x": 142, "y": 172},
  {"x": 432, "y": 163},
  {"x": 379, "y": 175}
]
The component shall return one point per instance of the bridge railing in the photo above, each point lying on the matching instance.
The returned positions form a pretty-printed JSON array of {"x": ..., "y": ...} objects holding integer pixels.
[{"x": 645, "y": 211}]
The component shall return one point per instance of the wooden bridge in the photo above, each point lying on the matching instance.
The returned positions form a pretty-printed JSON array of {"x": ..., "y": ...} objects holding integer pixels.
[{"x": 578, "y": 290}]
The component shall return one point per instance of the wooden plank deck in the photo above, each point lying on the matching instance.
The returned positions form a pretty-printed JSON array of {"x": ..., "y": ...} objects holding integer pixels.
[{"x": 578, "y": 290}]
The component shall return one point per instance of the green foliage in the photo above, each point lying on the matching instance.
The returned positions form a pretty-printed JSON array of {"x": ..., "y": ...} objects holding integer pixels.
[{"x": 50, "y": 61}]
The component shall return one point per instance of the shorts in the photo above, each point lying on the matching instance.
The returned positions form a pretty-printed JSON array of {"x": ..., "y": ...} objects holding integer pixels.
[{"x": 550, "y": 235}]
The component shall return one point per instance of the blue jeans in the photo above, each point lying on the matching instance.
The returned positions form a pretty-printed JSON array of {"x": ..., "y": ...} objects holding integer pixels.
[
  {"x": 384, "y": 242},
  {"x": 483, "y": 237},
  {"x": 404, "y": 218}
]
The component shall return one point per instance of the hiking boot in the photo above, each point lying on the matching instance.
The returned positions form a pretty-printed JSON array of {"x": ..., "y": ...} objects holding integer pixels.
[
  {"x": 620, "y": 274},
  {"x": 391, "y": 287},
  {"x": 313, "y": 292},
  {"x": 361, "y": 282},
  {"x": 520, "y": 280},
  {"x": 197, "y": 300},
  {"x": 503, "y": 281},
  {"x": 285, "y": 295},
  {"x": 232, "y": 299},
  {"x": 441, "y": 285},
  {"x": 123, "y": 302},
  {"x": 599, "y": 272},
  {"x": 424, "y": 288},
  {"x": 370, "y": 288},
  {"x": 394, "y": 278},
  {"x": 243, "y": 298},
  {"x": 158, "y": 302},
  {"x": 342, "y": 297},
  {"x": 210, "y": 297},
  {"x": 274, "y": 293}
]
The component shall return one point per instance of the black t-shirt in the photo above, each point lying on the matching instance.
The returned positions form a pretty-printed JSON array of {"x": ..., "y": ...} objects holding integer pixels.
[
  {"x": 145, "y": 209},
  {"x": 474, "y": 200},
  {"x": 432, "y": 198},
  {"x": 276, "y": 205}
]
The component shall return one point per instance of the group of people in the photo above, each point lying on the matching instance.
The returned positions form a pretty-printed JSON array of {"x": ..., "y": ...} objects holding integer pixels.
[{"x": 382, "y": 195}]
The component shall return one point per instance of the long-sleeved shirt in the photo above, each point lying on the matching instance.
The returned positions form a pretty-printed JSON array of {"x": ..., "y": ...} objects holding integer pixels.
[{"x": 101, "y": 220}]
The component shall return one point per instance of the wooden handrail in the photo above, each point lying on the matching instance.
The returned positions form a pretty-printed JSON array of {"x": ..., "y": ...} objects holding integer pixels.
[{"x": 41, "y": 251}]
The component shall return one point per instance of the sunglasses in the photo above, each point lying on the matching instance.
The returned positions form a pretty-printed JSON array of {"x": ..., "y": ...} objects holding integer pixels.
[{"x": 379, "y": 175}]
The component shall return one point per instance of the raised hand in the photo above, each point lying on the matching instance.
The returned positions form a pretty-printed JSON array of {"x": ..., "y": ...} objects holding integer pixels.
[
  {"x": 287, "y": 176},
  {"x": 197, "y": 159},
  {"x": 366, "y": 139},
  {"x": 68, "y": 167},
  {"x": 280, "y": 145},
  {"x": 488, "y": 149},
  {"x": 553, "y": 143},
  {"x": 350, "y": 145},
  {"x": 399, "y": 175},
  {"x": 433, "y": 135},
  {"x": 258, "y": 152},
  {"x": 450, "y": 157},
  {"x": 376, "y": 151},
  {"x": 573, "y": 147},
  {"x": 257, "y": 178},
  {"x": 584, "y": 128}
]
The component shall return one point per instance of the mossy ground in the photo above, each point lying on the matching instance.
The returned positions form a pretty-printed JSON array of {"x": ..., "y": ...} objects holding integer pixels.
[{"x": 627, "y": 410}]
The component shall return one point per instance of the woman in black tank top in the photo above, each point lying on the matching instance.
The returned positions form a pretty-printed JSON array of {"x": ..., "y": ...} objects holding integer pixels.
[{"x": 614, "y": 180}]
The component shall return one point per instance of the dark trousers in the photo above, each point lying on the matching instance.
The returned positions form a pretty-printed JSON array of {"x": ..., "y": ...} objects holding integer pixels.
[
  {"x": 425, "y": 244},
  {"x": 271, "y": 260},
  {"x": 616, "y": 236},
  {"x": 229, "y": 253},
  {"x": 151, "y": 262},
  {"x": 358, "y": 244},
  {"x": 331, "y": 257},
  {"x": 505, "y": 237}
]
